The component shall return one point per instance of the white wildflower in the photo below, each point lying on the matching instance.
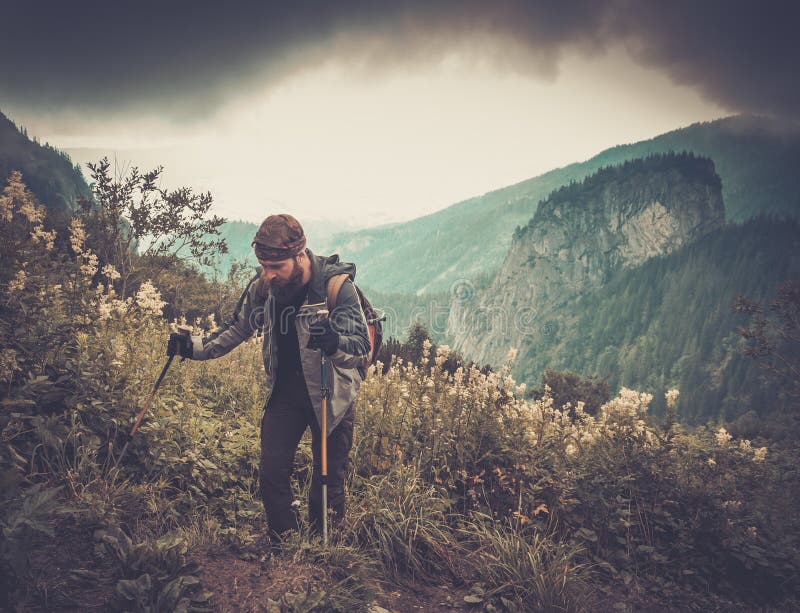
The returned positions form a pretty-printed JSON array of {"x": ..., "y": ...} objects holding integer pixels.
[
  {"x": 722, "y": 436},
  {"x": 426, "y": 351},
  {"x": 35, "y": 214},
  {"x": 511, "y": 356},
  {"x": 442, "y": 353},
  {"x": 90, "y": 264},
  {"x": 672, "y": 398},
  {"x": 149, "y": 300},
  {"x": 711, "y": 462},
  {"x": 104, "y": 309},
  {"x": 629, "y": 404},
  {"x": 760, "y": 454},
  {"x": 110, "y": 273},
  {"x": 48, "y": 239},
  {"x": 17, "y": 284},
  {"x": 77, "y": 236}
]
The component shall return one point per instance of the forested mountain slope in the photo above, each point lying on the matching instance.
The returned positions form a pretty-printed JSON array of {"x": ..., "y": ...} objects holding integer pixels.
[
  {"x": 47, "y": 172},
  {"x": 669, "y": 323}
]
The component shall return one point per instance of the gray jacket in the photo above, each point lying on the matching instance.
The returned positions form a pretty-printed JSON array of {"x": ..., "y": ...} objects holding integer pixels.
[{"x": 255, "y": 313}]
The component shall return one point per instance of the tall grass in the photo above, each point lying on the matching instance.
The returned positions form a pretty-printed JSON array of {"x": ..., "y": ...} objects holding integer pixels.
[{"x": 455, "y": 477}]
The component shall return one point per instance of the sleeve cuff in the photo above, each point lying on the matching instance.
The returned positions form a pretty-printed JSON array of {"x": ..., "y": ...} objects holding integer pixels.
[{"x": 198, "y": 350}]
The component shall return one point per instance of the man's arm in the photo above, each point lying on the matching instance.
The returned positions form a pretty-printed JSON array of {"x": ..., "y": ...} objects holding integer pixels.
[
  {"x": 236, "y": 330},
  {"x": 348, "y": 320}
]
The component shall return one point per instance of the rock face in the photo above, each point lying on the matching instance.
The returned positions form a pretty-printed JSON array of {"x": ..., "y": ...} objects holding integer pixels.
[{"x": 582, "y": 233}]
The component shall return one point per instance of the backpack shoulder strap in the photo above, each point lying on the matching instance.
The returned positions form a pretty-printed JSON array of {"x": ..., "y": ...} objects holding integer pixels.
[
  {"x": 243, "y": 297},
  {"x": 334, "y": 285}
]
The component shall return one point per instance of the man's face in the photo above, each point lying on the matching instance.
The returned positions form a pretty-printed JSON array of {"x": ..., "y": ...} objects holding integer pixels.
[{"x": 285, "y": 277}]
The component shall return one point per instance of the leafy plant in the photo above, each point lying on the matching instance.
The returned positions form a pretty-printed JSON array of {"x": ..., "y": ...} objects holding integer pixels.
[{"x": 152, "y": 575}]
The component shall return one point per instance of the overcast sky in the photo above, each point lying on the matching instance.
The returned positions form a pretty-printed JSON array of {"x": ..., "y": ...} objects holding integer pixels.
[{"x": 324, "y": 109}]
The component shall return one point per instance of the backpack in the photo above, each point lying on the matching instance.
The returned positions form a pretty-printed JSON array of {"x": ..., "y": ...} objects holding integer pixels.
[{"x": 373, "y": 316}]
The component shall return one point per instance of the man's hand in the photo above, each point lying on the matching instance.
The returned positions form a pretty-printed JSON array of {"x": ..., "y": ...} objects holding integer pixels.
[
  {"x": 324, "y": 337},
  {"x": 179, "y": 344}
]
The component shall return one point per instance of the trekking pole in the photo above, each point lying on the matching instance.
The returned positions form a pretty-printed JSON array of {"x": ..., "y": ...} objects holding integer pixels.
[
  {"x": 324, "y": 440},
  {"x": 183, "y": 330}
]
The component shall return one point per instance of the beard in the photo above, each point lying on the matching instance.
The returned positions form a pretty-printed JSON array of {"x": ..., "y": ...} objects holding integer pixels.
[{"x": 285, "y": 290}]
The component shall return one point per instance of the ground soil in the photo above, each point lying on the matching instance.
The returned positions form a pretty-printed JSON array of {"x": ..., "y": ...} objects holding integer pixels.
[
  {"x": 67, "y": 576},
  {"x": 55, "y": 586},
  {"x": 247, "y": 586}
]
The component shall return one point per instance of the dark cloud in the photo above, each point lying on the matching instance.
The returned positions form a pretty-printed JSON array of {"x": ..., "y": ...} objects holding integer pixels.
[{"x": 184, "y": 58}]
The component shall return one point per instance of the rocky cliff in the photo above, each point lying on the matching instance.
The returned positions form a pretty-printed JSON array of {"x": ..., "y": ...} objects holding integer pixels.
[{"x": 580, "y": 235}]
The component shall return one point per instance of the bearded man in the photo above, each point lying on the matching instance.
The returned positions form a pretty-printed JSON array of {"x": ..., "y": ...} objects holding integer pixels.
[{"x": 283, "y": 302}]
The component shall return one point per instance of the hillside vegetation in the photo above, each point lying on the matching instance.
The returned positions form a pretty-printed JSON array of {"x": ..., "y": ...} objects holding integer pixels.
[
  {"x": 49, "y": 173},
  {"x": 630, "y": 275},
  {"x": 670, "y": 322},
  {"x": 463, "y": 493}
]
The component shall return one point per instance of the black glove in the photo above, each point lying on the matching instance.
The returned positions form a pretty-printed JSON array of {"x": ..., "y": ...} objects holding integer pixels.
[
  {"x": 179, "y": 344},
  {"x": 324, "y": 337}
]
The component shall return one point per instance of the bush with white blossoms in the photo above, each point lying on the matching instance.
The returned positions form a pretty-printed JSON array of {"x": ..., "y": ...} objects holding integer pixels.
[
  {"x": 148, "y": 299},
  {"x": 613, "y": 483},
  {"x": 77, "y": 235},
  {"x": 722, "y": 437}
]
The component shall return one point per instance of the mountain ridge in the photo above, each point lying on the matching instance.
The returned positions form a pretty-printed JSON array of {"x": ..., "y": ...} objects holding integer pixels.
[{"x": 754, "y": 156}]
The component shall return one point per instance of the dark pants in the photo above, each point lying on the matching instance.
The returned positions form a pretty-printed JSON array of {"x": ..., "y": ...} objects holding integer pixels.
[{"x": 287, "y": 415}]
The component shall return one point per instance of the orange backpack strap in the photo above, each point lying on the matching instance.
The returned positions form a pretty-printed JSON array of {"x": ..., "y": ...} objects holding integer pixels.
[{"x": 334, "y": 285}]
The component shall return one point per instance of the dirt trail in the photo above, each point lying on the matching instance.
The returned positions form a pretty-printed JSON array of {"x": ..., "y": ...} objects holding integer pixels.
[{"x": 241, "y": 585}]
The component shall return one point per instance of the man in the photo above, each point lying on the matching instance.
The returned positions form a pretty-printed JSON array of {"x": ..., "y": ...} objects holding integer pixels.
[{"x": 282, "y": 303}]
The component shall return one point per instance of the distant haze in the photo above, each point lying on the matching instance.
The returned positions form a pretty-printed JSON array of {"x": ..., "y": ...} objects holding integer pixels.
[{"x": 327, "y": 144}]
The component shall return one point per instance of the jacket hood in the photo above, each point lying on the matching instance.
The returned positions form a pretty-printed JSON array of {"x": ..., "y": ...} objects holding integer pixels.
[{"x": 322, "y": 269}]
